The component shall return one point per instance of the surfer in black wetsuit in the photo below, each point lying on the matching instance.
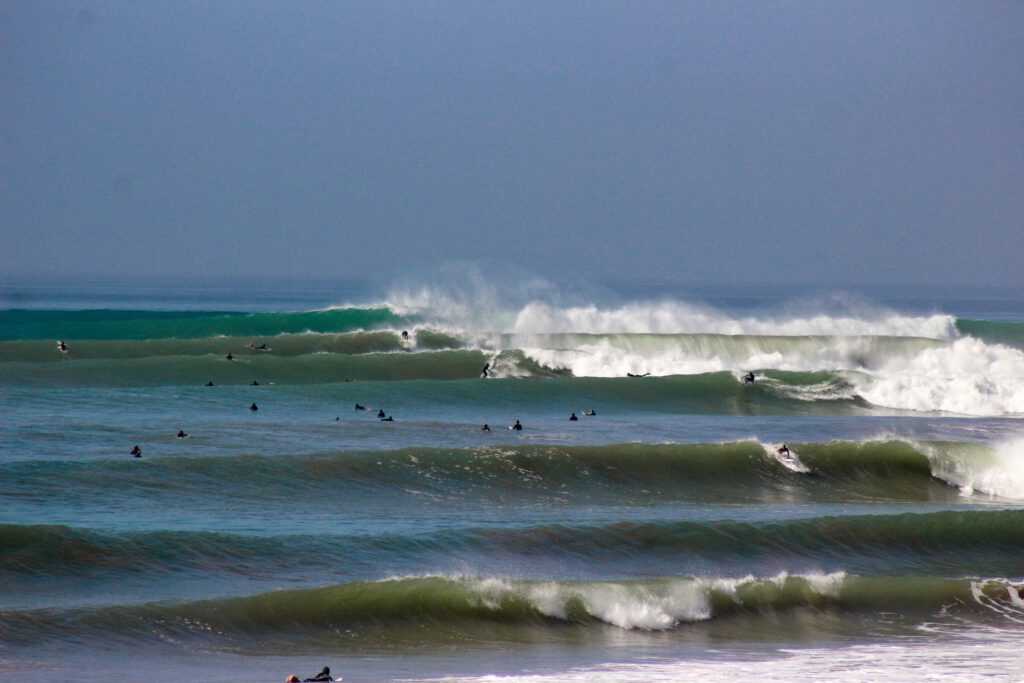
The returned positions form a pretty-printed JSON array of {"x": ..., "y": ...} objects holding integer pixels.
[
  {"x": 405, "y": 336},
  {"x": 359, "y": 407},
  {"x": 254, "y": 407},
  {"x": 209, "y": 384},
  {"x": 630, "y": 374},
  {"x": 380, "y": 413},
  {"x": 137, "y": 452},
  {"x": 485, "y": 428},
  {"x": 487, "y": 370},
  {"x": 230, "y": 356},
  {"x": 748, "y": 378},
  {"x": 62, "y": 346},
  {"x": 573, "y": 418},
  {"x": 783, "y": 451},
  {"x": 182, "y": 434},
  {"x": 590, "y": 413},
  {"x": 517, "y": 427},
  {"x": 324, "y": 675},
  {"x": 387, "y": 419}
]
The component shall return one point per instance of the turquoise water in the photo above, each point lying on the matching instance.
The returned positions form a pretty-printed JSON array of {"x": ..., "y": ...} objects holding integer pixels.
[{"x": 659, "y": 537}]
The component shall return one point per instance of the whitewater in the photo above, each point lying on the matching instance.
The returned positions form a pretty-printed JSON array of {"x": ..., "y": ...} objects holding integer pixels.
[{"x": 662, "y": 534}]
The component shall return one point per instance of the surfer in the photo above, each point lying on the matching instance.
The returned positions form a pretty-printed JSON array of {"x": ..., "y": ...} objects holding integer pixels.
[
  {"x": 487, "y": 369},
  {"x": 359, "y": 407},
  {"x": 783, "y": 451},
  {"x": 380, "y": 413},
  {"x": 210, "y": 383},
  {"x": 62, "y": 346},
  {"x": 387, "y": 419},
  {"x": 254, "y": 383},
  {"x": 261, "y": 347},
  {"x": 254, "y": 407},
  {"x": 573, "y": 418},
  {"x": 748, "y": 378},
  {"x": 630, "y": 374},
  {"x": 182, "y": 434},
  {"x": 485, "y": 428},
  {"x": 590, "y": 413},
  {"x": 137, "y": 452},
  {"x": 517, "y": 427},
  {"x": 405, "y": 335},
  {"x": 324, "y": 675},
  {"x": 230, "y": 356}
]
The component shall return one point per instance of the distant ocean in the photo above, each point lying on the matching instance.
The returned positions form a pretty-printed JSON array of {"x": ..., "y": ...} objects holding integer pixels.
[{"x": 659, "y": 536}]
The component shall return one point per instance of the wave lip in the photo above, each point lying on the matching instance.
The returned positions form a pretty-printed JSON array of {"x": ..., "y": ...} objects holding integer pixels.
[
  {"x": 670, "y": 317},
  {"x": 463, "y": 604}
]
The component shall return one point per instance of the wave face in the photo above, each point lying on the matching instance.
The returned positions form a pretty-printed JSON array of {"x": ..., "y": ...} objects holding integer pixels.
[
  {"x": 727, "y": 471},
  {"x": 665, "y": 519},
  {"x": 939, "y": 543},
  {"x": 468, "y": 606},
  {"x": 880, "y": 359}
]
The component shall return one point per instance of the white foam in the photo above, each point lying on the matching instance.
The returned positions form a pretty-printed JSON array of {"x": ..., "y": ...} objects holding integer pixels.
[
  {"x": 968, "y": 377},
  {"x": 994, "y": 470},
  {"x": 896, "y": 361},
  {"x": 673, "y": 317},
  {"x": 995, "y": 656},
  {"x": 615, "y": 355},
  {"x": 635, "y": 605}
]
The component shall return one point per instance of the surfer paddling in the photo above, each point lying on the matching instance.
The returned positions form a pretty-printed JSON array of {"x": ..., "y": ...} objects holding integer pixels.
[
  {"x": 322, "y": 677},
  {"x": 630, "y": 374}
]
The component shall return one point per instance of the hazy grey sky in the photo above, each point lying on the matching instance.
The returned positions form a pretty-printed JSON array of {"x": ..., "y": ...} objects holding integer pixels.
[{"x": 831, "y": 142}]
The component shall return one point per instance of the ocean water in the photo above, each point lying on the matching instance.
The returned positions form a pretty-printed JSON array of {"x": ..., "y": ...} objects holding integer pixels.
[{"x": 661, "y": 538}]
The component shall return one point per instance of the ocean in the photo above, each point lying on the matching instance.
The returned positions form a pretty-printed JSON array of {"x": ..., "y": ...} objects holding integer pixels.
[{"x": 660, "y": 536}]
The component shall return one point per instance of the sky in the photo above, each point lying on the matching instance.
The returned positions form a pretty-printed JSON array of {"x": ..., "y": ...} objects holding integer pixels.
[{"x": 838, "y": 143}]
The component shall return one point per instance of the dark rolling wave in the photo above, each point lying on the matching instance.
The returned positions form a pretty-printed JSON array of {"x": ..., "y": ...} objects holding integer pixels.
[
  {"x": 141, "y": 325},
  {"x": 281, "y": 346},
  {"x": 622, "y": 474},
  {"x": 939, "y": 543},
  {"x": 436, "y": 608}
]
